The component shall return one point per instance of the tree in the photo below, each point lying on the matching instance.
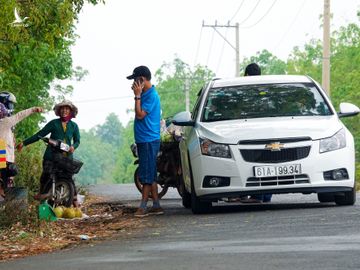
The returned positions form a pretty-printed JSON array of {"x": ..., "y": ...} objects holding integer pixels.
[
  {"x": 32, "y": 56},
  {"x": 36, "y": 53},
  {"x": 308, "y": 61},
  {"x": 172, "y": 78},
  {"x": 99, "y": 159},
  {"x": 268, "y": 63},
  {"x": 111, "y": 131}
]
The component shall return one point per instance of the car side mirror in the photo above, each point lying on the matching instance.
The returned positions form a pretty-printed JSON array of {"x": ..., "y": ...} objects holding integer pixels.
[
  {"x": 183, "y": 119},
  {"x": 348, "y": 109}
]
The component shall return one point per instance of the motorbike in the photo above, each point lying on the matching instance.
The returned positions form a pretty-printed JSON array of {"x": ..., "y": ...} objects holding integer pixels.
[
  {"x": 169, "y": 173},
  {"x": 61, "y": 189}
]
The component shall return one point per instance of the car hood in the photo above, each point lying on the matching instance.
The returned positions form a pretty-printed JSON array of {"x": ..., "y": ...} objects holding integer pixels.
[{"x": 233, "y": 131}]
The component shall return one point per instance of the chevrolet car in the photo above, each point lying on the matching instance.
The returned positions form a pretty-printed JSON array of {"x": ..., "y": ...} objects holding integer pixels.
[{"x": 265, "y": 134}]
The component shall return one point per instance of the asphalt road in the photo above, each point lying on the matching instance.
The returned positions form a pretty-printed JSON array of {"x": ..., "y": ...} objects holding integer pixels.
[{"x": 292, "y": 232}]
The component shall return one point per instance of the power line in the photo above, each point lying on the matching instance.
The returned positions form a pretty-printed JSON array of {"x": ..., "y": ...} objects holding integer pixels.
[
  {"x": 251, "y": 12},
  {"x": 222, "y": 51},
  {"x": 198, "y": 47},
  {"x": 210, "y": 47},
  {"x": 123, "y": 97},
  {"x": 101, "y": 99},
  {"x": 266, "y": 13},
  {"x": 290, "y": 25},
  {"x": 236, "y": 47},
  {"x": 237, "y": 10}
]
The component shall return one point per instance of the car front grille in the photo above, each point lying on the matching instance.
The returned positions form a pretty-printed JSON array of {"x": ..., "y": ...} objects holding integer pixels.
[
  {"x": 278, "y": 180},
  {"x": 268, "y": 156}
]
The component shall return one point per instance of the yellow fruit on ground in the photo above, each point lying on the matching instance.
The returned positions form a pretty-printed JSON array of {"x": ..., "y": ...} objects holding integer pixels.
[
  {"x": 59, "y": 211},
  {"x": 69, "y": 213},
  {"x": 78, "y": 213}
]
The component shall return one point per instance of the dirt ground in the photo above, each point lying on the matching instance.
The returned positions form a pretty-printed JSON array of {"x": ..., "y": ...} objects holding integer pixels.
[{"x": 105, "y": 220}]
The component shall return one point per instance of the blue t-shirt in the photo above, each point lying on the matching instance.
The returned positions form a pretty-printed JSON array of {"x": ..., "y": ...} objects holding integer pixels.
[{"x": 148, "y": 128}]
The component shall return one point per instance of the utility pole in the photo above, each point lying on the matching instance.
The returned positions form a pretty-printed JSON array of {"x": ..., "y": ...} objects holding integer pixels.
[
  {"x": 236, "y": 47},
  {"x": 326, "y": 48}
]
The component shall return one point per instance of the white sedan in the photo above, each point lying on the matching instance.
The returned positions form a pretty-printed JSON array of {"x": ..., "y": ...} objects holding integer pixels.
[{"x": 266, "y": 134}]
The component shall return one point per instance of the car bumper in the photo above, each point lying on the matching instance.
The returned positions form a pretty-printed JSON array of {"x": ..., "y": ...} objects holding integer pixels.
[{"x": 240, "y": 171}]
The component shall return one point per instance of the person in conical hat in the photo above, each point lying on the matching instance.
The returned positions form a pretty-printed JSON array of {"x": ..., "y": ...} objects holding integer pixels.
[
  {"x": 62, "y": 128},
  {"x": 66, "y": 103}
]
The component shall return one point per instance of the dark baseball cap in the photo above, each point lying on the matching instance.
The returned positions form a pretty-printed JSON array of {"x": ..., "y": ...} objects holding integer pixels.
[{"x": 140, "y": 71}]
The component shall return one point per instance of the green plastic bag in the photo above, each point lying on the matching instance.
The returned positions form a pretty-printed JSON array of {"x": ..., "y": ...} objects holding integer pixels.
[{"x": 46, "y": 212}]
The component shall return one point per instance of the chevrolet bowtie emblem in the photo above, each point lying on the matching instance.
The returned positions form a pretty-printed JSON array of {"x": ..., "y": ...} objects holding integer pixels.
[{"x": 275, "y": 146}]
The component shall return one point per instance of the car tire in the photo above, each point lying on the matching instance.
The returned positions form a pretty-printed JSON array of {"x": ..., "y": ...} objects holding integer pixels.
[
  {"x": 347, "y": 198},
  {"x": 186, "y": 197},
  {"x": 326, "y": 197},
  {"x": 197, "y": 206}
]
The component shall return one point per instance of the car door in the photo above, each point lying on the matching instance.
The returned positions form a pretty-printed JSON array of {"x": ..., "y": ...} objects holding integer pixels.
[{"x": 184, "y": 144}]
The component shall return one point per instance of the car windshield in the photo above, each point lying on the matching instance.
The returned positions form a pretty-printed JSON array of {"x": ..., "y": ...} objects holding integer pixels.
[{"x": 271, "y": 100}]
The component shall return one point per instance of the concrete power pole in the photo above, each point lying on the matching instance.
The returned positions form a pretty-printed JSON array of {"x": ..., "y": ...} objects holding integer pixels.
[
  {"x": 236, "y": 47},
  {"x": 326, "y": 48}
]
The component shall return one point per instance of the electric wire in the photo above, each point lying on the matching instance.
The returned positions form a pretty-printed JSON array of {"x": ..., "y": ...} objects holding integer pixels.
[
  {"x": 101, "y": 99},
  {"x": 237, "y": 11},
  {"x": 221, "y": 52},
  {"x": 210, "y": 47},
  {"x": 251, "y": 12},
  {"x": 198, "y": 46},
  {"x": 265, "y": 14},
  {"x": 120, "y": 97},
  {"x": 290, "y": 25}
]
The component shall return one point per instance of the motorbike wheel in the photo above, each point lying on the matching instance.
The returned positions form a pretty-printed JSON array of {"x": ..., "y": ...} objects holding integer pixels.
[
  {"x": 64, "y": 193},
  {"x": 139, "y": 186}
]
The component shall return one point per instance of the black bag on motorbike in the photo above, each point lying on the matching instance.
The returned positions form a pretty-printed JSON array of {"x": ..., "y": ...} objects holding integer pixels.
[{"x": 67, "y": 164}]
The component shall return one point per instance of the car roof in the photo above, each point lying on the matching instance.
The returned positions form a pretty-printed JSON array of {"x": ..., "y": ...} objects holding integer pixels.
[{"x": 262, "y": 79}]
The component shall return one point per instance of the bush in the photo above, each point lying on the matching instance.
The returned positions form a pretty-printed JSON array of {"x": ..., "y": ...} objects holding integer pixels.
[{"x": 29, "y": 162}]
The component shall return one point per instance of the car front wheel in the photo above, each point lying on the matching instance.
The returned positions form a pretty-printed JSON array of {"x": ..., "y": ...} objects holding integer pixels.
[{"x": 347, "y": 198}]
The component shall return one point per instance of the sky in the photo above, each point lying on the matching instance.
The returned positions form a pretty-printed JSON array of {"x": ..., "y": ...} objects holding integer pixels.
[{"x": 116, "y": 37}]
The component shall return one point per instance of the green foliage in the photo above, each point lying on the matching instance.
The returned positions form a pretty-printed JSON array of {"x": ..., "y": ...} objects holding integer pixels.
[
  {"x": 268, "y": 62},
  {"x": 124, "y": 169},
  {"x": 98, "y": 157},
  {"x": 306, "y": 62},
  {"x": 32, "y": 57},
  {"x": 345, "y": 74},
  {"x": 29, "y": 162},
  {"x": 111, "y": 131},
  {"x": 173, "y": 78}
]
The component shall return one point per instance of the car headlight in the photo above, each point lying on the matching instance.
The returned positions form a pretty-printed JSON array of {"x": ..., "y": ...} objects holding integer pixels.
[
  {"x": 335, "y": 142},
  {"x": 210, "y": 148}
]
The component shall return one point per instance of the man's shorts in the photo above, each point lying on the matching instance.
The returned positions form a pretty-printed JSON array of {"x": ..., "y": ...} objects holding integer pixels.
[{"x": 147, "y": 153}]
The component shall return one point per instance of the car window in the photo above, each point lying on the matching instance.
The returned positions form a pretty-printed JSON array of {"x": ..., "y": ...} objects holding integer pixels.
[
  {"x": 272, "y": 100},
  {"x": 197, "y": 104}
]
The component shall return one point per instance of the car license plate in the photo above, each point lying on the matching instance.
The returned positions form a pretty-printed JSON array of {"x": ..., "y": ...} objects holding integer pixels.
[{"x": 282, "y": 170}]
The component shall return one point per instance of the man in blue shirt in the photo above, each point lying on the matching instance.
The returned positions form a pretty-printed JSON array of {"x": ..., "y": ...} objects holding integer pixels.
[{"x": 147, "y": 137}]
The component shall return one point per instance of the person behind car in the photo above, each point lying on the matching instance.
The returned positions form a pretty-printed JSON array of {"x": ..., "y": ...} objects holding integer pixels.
[
  {"x": 253, "y": 69},
  {"x": 7, "y": 123},
  {"x": 62, "y": 128}
]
